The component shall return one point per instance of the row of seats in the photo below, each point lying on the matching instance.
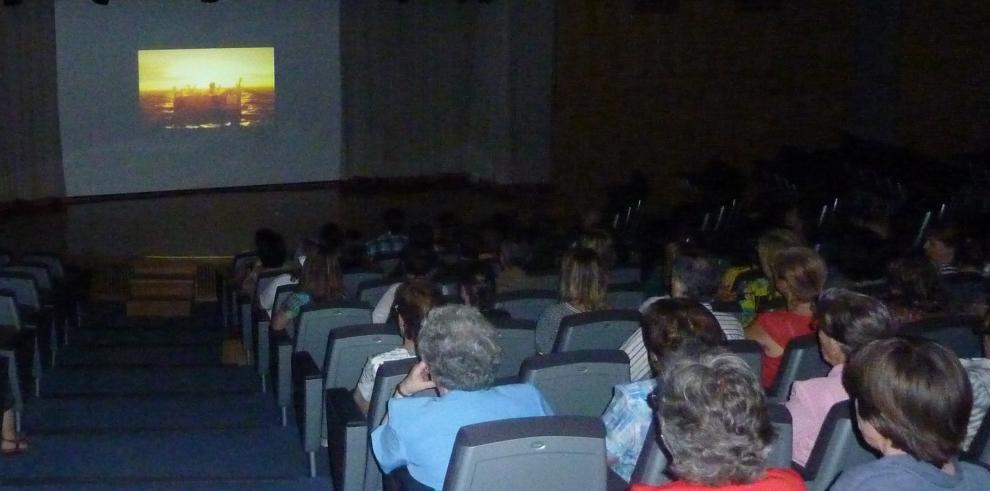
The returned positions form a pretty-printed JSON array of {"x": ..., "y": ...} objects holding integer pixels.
[{"x": 36, "y": 307}]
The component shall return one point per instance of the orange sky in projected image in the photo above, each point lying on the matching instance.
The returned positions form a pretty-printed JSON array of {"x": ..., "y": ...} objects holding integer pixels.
[
  {"x": 191, "y": 89},
  {"x": 168, "y": 68}
]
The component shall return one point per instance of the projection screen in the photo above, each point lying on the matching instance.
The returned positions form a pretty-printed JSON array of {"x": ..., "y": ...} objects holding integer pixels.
[{"x": 158, "y": 95}]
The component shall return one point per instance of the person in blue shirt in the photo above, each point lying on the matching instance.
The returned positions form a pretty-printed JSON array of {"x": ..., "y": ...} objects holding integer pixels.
[
  {"x": 912, "y": 402},
  {"x": 458, "y": 359}
]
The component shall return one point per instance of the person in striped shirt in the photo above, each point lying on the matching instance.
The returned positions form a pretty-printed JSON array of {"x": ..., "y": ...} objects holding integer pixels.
[{"x": 695, "y": 275}]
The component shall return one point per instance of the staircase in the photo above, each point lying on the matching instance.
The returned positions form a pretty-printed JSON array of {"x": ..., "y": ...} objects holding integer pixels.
[{"x": 147, "y": 405}]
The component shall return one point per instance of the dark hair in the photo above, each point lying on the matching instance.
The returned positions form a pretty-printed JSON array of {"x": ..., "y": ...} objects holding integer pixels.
[
  {"x": 946, "y": 234},
  {"x": 478, "y": 284},
  {"x": 395, "y": 221},
  {"x": 271, "y": 248},
  {"x": 331, "y": 236},
  {"x": 421, "y": 233},
  {"x": 803, "y": 270},
  {"x": 969, "y": 253},
  {"x": 852, "y": 319},
  {"x": 321, "y": 276},
  {"x": 699, "y": 273},
  {"x": 413, "y": 300},
  {"x": 418, "y": 260},
  {"x": 914, "y": 392},
  {"x": 669, "y": 325},
  {"x": 914, "y": 282}
]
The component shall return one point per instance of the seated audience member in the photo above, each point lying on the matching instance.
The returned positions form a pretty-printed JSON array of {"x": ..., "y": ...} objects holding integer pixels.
[
  {"x": 393, "y": 241},
  {"x": 272, "y": 255},
  {"x": 671, "y": 328},
  {"x": 966, "y": 291},
  {"x": 476, "y": 287},
  {"x": 582, "y": 289},
  {"x": 752, "y": 289},
  {"x": 799, "y": 275},
  {"x": 846, "y": 321},
  {"x": 914, "y": 290},
  {"x": 413, "y": 300},
  {"x": 912, "y": 404},
  {"x": 419, "y": 262},
  {"x": 514, "y": 258},
  {"x": 601, "y": 242},
  {"x": 940, "y": 248},
  {"x": 266, "y": 297},
  {"x": 320, "y": 281},
  {"x": 458, "y": 356},
  {"x": 694, "y": 276},
  {"x": 713, "y": 420}
]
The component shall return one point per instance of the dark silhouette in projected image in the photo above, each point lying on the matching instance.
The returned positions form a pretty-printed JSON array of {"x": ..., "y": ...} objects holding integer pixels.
[{"x": 207, "y": 88}]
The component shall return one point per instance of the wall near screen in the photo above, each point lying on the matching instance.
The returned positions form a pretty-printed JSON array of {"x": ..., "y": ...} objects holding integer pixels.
[{"x": 158, "y": 95}]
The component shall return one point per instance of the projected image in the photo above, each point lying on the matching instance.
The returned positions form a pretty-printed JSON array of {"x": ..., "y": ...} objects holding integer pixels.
[{"x": 207, "y": 88}]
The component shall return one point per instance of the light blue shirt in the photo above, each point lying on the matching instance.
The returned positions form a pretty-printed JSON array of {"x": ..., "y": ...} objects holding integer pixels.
[
  {"x": 627, "y": 420},
  {"x": 420, "y": 431},
  {"x": 905, "y": 473}
]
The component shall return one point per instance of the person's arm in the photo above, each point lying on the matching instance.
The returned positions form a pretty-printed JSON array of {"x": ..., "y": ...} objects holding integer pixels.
[
  {"x": 362, "y": 393},
  {"x": 757, "y": 333}
]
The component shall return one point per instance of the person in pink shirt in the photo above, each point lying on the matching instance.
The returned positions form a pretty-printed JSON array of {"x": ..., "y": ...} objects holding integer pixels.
[{"x": 845, "y": 321}]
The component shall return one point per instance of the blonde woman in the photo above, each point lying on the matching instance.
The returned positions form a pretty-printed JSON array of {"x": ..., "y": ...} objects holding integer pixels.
[{"x": 582, "y": 289}]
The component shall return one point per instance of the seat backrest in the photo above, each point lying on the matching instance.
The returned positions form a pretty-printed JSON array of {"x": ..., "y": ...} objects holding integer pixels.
[
  {"x": 8, "y": 310},
  {"x": 317, "y": 320},
  {"x": 540, "y": 454},
  {"x": 577, "y": 383},
  {"x": 750, "y": 351},
  {"x": 349, "y": 347},
  {"x": 372, "y": 291},
  {"x": 517, "y": 340},
  {"x": 354, "y": 278},
  {"x": 52, "y": 261},
  {"x": 802, "y": 360},
  {"x": 5, "y": 257},
  {"x": 627, "y": 296},
  {"x": 603, "y": 329},
  {"x": 526, "y": 304},
  {"x": 38, "y": 271},
  {"x": 651, "y": 466},
  {"x": 621, "y": 275},
  {"x": 282, "y": 293},
  {"x": 838, "y": 448},
  {"x": 956, "y": 332},
  {"x": 783, "y": 429},
  {"x": 23, "y": 287},
  {"x": 266, "y": 278},
  {"x": 389, "y": 375}
]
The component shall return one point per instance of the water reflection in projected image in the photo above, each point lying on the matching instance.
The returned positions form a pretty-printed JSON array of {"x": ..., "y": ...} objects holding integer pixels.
[{"x": 212, "y": 107}]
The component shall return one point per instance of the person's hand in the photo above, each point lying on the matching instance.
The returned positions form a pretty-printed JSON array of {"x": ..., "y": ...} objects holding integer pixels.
[{"x": 418, "y": 379}]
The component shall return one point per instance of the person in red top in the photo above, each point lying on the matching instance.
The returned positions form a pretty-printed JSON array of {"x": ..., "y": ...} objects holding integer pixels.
[
  {"x": 800, "y": 275},
  {"x": 714, "y": 423}
]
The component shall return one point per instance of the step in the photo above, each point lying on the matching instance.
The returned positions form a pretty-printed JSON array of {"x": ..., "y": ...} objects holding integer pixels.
[
  {"x": 183, "y": 355},
  {"x": 182, "y": 268},
  {"x": 140, "y": 380},
  {"x": 152, "y": 337},
  {"x": 119, "y": 414},
  {"x": 159, "y": 308},
  {"x": 157, "y": 287},
  {"x": 267, "y": 453}
]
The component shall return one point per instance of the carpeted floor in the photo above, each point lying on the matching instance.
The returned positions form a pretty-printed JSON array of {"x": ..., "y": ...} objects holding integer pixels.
[{"x": 149, "y": 407}]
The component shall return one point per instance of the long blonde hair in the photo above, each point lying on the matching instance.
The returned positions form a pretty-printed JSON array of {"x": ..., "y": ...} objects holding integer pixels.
[{"x": 582, "y": 280}]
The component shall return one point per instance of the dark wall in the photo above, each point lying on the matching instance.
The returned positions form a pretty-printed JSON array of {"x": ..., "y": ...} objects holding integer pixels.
[{"x": 666, "y": 92}]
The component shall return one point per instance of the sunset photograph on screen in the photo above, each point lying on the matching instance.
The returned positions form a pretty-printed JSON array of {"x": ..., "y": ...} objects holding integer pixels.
[{"x": 207, "y": 88}]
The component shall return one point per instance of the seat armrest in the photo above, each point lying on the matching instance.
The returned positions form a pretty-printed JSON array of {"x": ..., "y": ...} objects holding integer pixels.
[
  {"x": 284, "y": 367},
  {"x": 308, "y": 394},
  {"x": 342, "y": 410}
]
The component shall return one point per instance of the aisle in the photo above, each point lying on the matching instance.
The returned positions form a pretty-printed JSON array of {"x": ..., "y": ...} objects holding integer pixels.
[{"x": 138, "y": 407}]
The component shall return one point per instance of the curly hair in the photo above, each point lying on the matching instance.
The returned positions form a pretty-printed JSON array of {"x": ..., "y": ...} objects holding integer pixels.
[
  {"x": 459, "y": 346},
  {"x": 714, "y": 420}
]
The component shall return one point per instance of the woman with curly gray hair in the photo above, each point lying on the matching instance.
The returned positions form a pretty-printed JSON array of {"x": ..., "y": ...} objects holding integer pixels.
[
  {"x": 458, "y": 358},
  {"x": 714, "y": 422}
]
